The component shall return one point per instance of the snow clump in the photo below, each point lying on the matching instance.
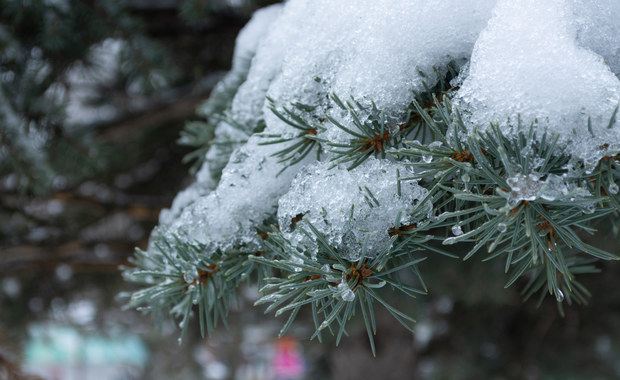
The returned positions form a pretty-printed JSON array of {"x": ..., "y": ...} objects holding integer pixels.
[
  {"x": 552, "y": 61},
  {"x": 379, "y": 50},
  {"x": 528, "y": 63},
  {"x": 350, "y": 207}
]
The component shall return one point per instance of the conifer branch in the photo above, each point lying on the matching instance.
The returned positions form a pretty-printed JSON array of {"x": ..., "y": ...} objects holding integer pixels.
[{"x": 335, "y": 287}]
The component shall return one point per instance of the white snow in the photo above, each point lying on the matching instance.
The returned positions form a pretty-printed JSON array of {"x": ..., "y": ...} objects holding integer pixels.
[
  {"x": 528, "y": 62},
  {"x": 598, "y": 28},
  {"x": 370, "y": 49},
  {"x": 339, "y": 203},
  {"x": 549, "y": 60},
  {"x": 247, "y": 194}
]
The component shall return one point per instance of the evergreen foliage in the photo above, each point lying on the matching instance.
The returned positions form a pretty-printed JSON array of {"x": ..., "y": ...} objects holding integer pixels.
[
  {"x": 46, "y": 49},
  {"x": 521, "y": 197},
  {"x": 539, "y": 237},
  {"x": 40, "y": 43}
]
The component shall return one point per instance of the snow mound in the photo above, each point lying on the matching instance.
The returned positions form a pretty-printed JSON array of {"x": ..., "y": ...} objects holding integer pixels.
[
  {"x": 548, "y": 60},
  {"x": 369, "y": 49},
  {"x": 528, "y": 63},
  {"x": 348, "y": 207},
  {"x": 598, "y": 28},
  {"x": 247, "y": 194}
]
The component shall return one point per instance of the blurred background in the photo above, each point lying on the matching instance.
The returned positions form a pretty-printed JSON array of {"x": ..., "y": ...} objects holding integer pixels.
[{"x": 93, "y": 96}]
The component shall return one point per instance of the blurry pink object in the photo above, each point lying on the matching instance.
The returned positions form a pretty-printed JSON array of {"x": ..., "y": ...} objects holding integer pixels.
[{"x": 287, "y": 361}]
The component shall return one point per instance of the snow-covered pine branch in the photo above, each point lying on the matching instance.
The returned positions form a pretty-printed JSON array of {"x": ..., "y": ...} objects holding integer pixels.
[{"x": 374, "y": 131}]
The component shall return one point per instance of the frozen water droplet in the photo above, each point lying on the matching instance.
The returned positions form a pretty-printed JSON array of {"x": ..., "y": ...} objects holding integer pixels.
[
  {"x": 348, "y": 295},
  {"x": 189, "y": 276},
  {"x": 559, "y": 295},
  {"x": 465, "y": 178},
  {"x": 427, "y": 159},
  {"x": 435, "y": 144},
  {"x": 345, "y": 292},
  {"x": 512, "y": 203},
  {"x": 613, "y": 189},
  {"x": 589, "y": 209},
  {"x": 457, "y": 230},
  {"x": 501, "y": 227},
  {"x": 296, "y": 260}
]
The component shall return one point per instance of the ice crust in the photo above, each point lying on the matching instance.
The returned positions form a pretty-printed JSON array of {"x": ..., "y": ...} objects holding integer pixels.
[
  {"x": 337, "y": 203},
  {"x": 531, "y": 187},
  {"x": 528, "y": 62},
  {"x": 553, "y": 60}
]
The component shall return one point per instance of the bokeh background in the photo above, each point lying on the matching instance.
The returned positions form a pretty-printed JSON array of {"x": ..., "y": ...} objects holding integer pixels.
[{"x": 93, "y": 97}]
